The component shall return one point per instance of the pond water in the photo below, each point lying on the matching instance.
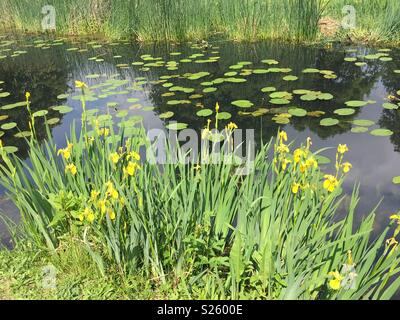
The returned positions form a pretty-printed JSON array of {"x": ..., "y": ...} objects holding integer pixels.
[{"x": 156, "y": 84}]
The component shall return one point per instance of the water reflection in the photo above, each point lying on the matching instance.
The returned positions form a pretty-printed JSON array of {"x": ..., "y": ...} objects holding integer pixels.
[{"x": 51, "y": 72}]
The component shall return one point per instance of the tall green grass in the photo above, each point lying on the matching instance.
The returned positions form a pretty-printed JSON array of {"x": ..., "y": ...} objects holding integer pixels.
[
  {"x": 180, "y": 20},
  {"x": 217, "y": 233},
  {"x": 176, "y": 20}
]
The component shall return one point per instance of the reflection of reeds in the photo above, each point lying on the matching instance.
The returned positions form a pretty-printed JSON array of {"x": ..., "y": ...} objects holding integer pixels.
[{"x": 295, "y": 20}]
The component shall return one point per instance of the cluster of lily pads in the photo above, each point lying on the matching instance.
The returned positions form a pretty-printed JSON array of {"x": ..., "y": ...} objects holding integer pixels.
[{"x": 280, "y": 106}]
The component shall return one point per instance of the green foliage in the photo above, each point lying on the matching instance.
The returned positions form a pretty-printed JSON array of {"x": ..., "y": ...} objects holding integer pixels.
[
  {"x": 215, "y": 233},
  {"x": 173, "y": 19},
  {"x": 178, "y": 20}
]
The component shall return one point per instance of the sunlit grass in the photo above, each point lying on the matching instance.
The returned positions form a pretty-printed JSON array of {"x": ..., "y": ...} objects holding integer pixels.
[
  {"x": 178, "y": 20},
  {"x": 273, "y": 233}
]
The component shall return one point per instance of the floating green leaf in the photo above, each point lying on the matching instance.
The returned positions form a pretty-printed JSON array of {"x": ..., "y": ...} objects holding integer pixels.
[
  {"x": 53, "y": 121},
  {"x": 176, "y": 126},
  {"x": 204, "y": 113},
  {"x": 8, "y": 126},
  {"x": 381, "y": 132},
  {"x": 328, "y": 122},
  {"x": 23, "y": 134},
  {"x": 297, "y": 112},
  {"x": 40, "y": 113},
  {"x": 363, "y": 123},
  {"x": 223, "y": 116},
  {"x": 279, "y": 101},
  {"x": 359, "y": 129},
  {"x": 290, "y": 78},
  {"x": 356, "y": 103},
  {"x": 268, "y": 89},
  {"x": 4, "y": 94},
  {"x": 63, "y": 96},
  {"x": 62, "y": 109},
  {"x": 390, "y": 106},
  {"x": 344, "y": 111},
  {"x": 243, "y": 103},
  {"x": 166, "y": 115}
]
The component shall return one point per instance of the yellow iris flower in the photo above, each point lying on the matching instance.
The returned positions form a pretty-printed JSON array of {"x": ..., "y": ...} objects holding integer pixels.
[
  {"x": 114, "y": 157},
  {"x": 133, "y": 155},
  {"x": 80, "y": 84},
  {"x": 66, "y": 153},
  {"x": 336, "y": 282},
  {"x": 111, "y": 192},
  {"x": 103, "y": 132},
  {"x": 282, "y": 148},
  {"x": 342, "y": 148},
  {"x": 311, "y": 163},
  {"x": 347, "y": 167},
  {"x": 131, "y": 168},
  {"x": 285, "y": 163},
  {"x": 232, "y": 126},
  {"x": 283, "y": 136},
  {"x": 111, "y": 214},
  {"x": 71, "y": 168},
  {"x": 298, "y": 154},
  {"x": 295, "y": 188},
  {"x": 102, "y": 205},
  {"x": 330, "y": 183},
  {"x": 93, "y": 195}
]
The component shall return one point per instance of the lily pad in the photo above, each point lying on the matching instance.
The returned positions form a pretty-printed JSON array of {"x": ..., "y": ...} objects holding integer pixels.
[
  {"x": 62, "y": 96},
  {"x": 279, "y": 101},
  {"x": 243, "y": 103},
  {"x": 297, "y": 112},
  {"x": 204, "y": 113},
  {"x": 311, "y": 70},
  {"x": 53, "y": 121},
  {"x": 356, "y": 103},
  {"x": 176, "y": 102},
  {"x": 10, "y": 149},
  {"x": 176, "y": 126},
  {"x": 62, "y": 109},
  {"x": 223, "y": 116},
  {"x": 322, "y": 159},
  {"x": 210, "y": 89},
  {"x": 4, "y": 94},
  {"x": 268, "y": 89},
  {"x": 363, "y": 123},
  {"x": 390, "y": 106},
  {"x": 8, "y": 126},
  {"x": 328, "y": 122},
  {"x": 381, "y": 132},
  {"x": 40, "y": 113},
  {"x": 166, "y": 115},
  {"x": 290, "y": 78},
  {"x": 359, "y": 129},
  {"x": 325, "y": 96},
  {"x": 23, "y": 134},
  {"x": 308, "y": 97},
  {"x": 344, "y": 111},
  {"x": 122, "y": 114}
]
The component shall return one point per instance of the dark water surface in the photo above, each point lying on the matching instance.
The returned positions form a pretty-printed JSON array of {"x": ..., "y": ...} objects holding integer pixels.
[{"x": 48, "y": 70}]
